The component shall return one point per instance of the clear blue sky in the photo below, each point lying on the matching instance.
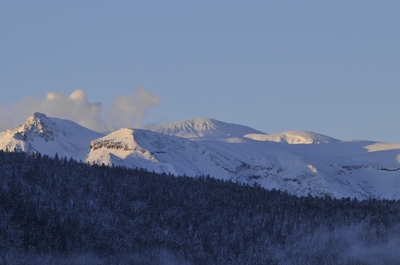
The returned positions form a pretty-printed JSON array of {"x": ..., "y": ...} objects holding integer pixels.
[{"x": 331, "y": 67}]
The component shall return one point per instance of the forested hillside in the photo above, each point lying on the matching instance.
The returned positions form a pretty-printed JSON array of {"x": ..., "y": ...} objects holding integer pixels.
[{"x": 59, "y": 211}]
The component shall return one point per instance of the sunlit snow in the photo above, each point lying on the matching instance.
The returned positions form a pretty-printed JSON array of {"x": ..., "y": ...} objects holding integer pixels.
[{"x": 299, "y": 162}]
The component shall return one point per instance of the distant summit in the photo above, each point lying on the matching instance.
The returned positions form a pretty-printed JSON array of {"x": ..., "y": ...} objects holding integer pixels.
[
  {"x": 201, "y": 128},
  {"x": 293, "y": 137}
]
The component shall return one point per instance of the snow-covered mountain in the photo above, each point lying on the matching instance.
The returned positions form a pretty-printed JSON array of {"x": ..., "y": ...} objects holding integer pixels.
[
  {"x": 293, "y": 137},
  {"x": 206, "y": 129},
  {"x": 203, "y": 128},
  {"x": 49, "y": 136},
  {"x": 319, "y": 166},
  {"x": 155, "y": 151}
]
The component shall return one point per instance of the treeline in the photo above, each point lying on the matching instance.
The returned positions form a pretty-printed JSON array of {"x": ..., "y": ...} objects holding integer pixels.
[{"x": 57, "y": 209}]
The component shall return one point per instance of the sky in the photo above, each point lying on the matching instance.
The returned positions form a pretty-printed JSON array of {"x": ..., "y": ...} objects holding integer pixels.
[{"x": 331, "y": 67}]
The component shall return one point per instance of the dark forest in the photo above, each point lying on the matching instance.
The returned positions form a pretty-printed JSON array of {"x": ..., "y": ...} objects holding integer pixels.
[{"x": 60, "y": 211}]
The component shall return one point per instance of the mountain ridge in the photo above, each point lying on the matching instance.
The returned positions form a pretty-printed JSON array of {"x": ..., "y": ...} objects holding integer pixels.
[
  {"x": 203, "y": 128},
  {"x": 293, "y": 137},
  {"x": 319, "y": 166}
]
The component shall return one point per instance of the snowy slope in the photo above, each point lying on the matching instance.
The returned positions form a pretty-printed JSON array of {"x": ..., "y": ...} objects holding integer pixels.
[
  {"x": 206, "y": 129},
  {"x": 293, "y": 137},
  {"x": 203, "y": 128},
  {"x": 49, "y": 136},
  {"x": 155, "y": 151},
  {"x": 339, "y": 169},
  {"x": 361, "y": 169}
]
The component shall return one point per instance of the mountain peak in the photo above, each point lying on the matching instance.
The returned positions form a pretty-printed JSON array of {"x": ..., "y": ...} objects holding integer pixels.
[
  {"x": 293, "y": 137},
  {"x": 203, "y": 128},
  {"x": 123, "y": 138},
  {"x": 49, "y": 135},
  {"x": 40, "y": 125}
]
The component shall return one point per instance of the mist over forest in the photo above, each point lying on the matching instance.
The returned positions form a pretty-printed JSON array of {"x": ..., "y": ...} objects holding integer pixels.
[{"x": 60, "y": 211}]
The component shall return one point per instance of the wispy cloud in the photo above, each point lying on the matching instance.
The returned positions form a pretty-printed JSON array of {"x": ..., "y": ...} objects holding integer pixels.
[
  {"x": 6, "y": 121},
  {"x": 126, "y": 111}
]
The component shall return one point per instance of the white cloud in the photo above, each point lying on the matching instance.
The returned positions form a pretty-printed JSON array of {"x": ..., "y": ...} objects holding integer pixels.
[
  {"x": 6, "y": 121},
  {"x": 74, "y": 107},
  {"x": 126, "y": 111}
]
